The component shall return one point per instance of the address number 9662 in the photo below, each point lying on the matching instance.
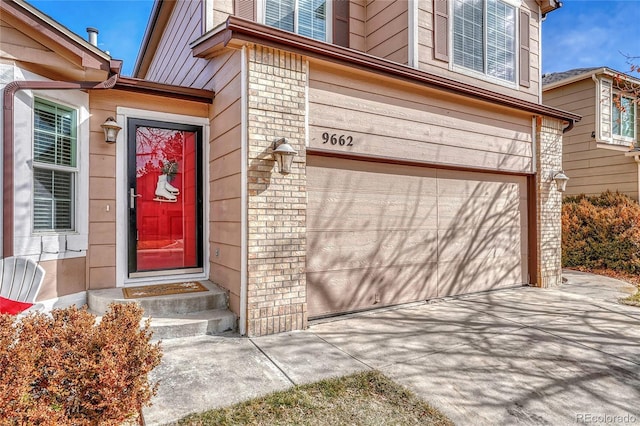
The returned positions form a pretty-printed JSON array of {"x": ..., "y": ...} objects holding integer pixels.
[{"x": 334, "y": 139}]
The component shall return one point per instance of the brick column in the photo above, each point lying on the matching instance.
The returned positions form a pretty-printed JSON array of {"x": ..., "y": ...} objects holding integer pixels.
[
  {"x": 276, "y": 280},
  {"x": 549, "y": 202}
]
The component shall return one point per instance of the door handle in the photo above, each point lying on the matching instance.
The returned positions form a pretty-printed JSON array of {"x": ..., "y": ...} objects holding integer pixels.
[{"x": 132, "y": 198}]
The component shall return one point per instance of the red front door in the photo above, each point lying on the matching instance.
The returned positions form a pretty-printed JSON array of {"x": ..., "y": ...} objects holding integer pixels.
[{"x": 165, "y": 198}]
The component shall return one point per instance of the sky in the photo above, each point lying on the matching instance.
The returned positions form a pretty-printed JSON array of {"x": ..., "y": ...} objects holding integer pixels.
[{"x": 583, "y": 33}]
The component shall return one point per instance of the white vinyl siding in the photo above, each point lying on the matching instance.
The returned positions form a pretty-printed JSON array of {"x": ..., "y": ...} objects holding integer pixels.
[
  {"x": 54, "y": 166},
  {"x": 484, "y": 37},
  {"x": 305, "y": 17}
]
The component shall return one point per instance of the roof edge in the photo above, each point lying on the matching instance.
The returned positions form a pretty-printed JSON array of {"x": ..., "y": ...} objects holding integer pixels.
[
  {"x": 158, "y": 20},
  {"x": 60, "y": 28},
  {"x": 588, "y": 74},
  {"x": 249, "y": 31},
  {"x": 177, "y": 92}
]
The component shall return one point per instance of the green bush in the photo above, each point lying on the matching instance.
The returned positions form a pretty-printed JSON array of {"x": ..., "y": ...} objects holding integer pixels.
[
  {"x": 601, "y": 232},
  {"x": 64, "y": 369}
]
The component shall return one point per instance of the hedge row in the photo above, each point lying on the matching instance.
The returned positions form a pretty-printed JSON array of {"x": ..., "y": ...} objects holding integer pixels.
[
  {"x": 601, "y": 232},
  {"x": 64, "y": 369}
]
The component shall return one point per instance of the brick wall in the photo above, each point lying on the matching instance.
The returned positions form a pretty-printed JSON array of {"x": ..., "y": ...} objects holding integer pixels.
[
  {"x": 276, "y": 281},
  {"x": 549, "y": 202}
]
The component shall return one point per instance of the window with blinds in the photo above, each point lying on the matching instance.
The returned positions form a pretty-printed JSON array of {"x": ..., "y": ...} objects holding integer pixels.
[
  {"x": 305, "y": 17},
  {"x": 484, "y": 37},
  {"x": 54, "y": 166}
]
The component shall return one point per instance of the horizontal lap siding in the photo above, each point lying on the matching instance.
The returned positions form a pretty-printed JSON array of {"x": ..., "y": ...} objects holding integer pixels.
[
  {"x": 357, "y": 19},
  {"x": 403, "y": 123},
  {"x": 386, "y": 29},
  {"x": 591, "y": 170},
  {"x": 173, "y": 62},
  {"x": 225, "y": 163},
  {"x": 428, "y": 63},
  {"x": 101, "y": 256}
]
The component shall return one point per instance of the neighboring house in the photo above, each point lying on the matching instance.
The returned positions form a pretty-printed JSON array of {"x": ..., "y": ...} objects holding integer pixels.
[
  {"x": 600, "y": 152},
  {"x": 424, "y": 158}
]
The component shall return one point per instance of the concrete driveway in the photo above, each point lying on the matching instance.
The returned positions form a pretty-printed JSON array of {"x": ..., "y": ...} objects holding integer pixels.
[{"x": 531, "y": 356}]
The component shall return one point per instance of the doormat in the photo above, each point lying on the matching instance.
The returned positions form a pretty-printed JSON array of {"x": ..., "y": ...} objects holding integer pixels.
[{"x": 162, "y": 289}]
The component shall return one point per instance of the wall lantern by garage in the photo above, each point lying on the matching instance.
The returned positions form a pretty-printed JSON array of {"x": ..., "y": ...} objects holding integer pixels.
[
  {"x": 111, "y": 130},
  {"x": 283, "y": 154},
  {"x": 561, "y": 180}
]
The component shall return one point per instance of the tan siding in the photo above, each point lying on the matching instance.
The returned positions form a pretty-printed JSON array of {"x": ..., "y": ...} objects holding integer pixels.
[
  {"x": 357, "y": 25},
  {"x": 225, "y": 163},
  {"x": 386, "y": 29},
  {"x": 428, "y": 63},
  {"x": 591, "y": 170},
  {"x": 172, "y": 62},
  {"x": 412, "y": 123},
  {"x": 100, "y": 265},
  {"x": 63, "y": 277}
]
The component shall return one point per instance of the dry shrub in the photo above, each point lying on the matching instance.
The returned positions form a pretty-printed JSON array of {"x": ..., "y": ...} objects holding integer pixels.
[
  {"x": 63, "y": 368},
  {"x": 601, "y": 232}
]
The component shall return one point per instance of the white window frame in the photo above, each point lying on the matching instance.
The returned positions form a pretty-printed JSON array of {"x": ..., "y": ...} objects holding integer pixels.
[
  {"x": 605, "y": 91},
  {"x": 620, "y": 138},
  {"x": 73, "y": 170},
  {"x": 48, "y": 245},
  {"x": 262, "y": 14},
  {"x": 481, "y": 75}
]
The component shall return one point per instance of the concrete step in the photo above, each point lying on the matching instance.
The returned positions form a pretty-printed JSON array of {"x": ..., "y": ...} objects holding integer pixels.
[
  {"x": 174, "y": 315},
  {"x": 160, "y": 306},
  {"x": 214, "y": 321}
]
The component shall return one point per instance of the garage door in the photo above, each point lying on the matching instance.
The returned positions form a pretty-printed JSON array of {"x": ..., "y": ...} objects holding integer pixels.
[{"x": 382, "y": 234}]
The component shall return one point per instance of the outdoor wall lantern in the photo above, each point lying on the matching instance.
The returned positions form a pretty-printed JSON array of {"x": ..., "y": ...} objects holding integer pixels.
[
  {"x": 283, "y": 154},
  {"x": 111, "y": 130},
  {"x": 561, "y": 180}
]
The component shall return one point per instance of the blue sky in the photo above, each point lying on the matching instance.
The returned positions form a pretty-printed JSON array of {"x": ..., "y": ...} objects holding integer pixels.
[{"x": 583, "y": 33}]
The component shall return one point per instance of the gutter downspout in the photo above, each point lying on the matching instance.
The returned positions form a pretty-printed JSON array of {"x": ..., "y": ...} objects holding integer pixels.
[
  {"x": 9, "y": 92},
  {"x": 570, "y": 126}
]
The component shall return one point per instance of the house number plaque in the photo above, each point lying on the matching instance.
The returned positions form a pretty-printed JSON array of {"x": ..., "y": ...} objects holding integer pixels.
[{"x": 335, "y": 139}]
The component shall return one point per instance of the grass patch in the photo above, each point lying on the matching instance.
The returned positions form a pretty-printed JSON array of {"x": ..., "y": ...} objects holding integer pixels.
[
  {"x": 633, "y": 300},
  {"x": 367, "y": 398}
]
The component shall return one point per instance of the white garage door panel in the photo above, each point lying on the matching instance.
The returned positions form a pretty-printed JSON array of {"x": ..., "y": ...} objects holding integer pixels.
[{"x": 381, "y": 234}]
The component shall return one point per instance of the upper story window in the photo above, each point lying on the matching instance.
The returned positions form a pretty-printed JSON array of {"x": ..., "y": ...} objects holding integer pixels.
[
  {"x": 617, "y": 114},
  {"x": 305, "y": 17},
  {"x": 623, "y": 123},
  {"x": 54, "y": 166},
  {"x": 484, "y": 37}
]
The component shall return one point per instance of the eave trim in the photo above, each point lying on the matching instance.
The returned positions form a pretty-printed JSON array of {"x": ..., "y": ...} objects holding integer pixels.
[{"x": 248, "y": 31}]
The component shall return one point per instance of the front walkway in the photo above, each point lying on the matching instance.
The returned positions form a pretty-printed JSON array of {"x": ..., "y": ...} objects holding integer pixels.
[{"x": 531, "y": 356}]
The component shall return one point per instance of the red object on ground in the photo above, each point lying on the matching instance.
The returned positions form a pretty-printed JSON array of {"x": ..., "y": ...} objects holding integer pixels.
[{"x": 12, "y": 307}]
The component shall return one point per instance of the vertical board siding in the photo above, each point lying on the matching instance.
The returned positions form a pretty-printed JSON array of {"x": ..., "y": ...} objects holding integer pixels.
[
  {"x": 408, "y": 122},
  {"x": 172, "y": 62},
  {"x": 101, "y": 254},
  {"x": 434, "y": 55},
  {"x": 225, "y": 165},
  {"x": 591, "y": 170}
]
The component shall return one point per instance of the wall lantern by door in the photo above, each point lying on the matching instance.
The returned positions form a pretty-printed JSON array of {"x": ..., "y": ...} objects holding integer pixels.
[
  {"x": 111, "y": 130},
  {"x": 283, "y": 154},
  {"x": 561, "y": 180}
]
